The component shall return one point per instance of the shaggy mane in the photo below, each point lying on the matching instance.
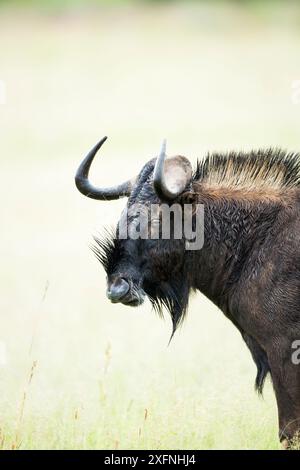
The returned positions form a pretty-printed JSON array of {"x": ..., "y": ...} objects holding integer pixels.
[{"x": 273, "y": 169}]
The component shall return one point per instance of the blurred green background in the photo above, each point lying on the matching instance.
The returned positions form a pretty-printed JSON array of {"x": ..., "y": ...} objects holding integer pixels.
[{"x": 76, "y": 371}]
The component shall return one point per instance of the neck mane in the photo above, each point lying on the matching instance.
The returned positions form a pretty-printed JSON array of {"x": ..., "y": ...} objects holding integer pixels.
[
  {"x": 271, "y": 170},
  {"x": 243, "y": 195}
]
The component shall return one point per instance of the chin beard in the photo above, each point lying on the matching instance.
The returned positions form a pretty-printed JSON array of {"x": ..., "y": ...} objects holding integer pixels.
[{"x": 172, "y": 296}]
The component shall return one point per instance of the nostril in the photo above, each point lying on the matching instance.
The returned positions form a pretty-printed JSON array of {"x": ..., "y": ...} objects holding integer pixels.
[{"x": 117, "y": 290}]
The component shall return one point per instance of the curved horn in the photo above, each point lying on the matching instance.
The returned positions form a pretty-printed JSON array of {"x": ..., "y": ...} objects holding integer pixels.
[
  {"x": 85, "y": 187},
  {"x": 171, "y": 175}
]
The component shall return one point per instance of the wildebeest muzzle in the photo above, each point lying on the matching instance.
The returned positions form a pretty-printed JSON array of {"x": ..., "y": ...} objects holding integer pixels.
[{"x": 120, "y": 290}]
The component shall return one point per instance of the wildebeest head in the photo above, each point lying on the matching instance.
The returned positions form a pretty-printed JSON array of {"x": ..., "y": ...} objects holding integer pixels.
[{"x": 136, "y": 263}]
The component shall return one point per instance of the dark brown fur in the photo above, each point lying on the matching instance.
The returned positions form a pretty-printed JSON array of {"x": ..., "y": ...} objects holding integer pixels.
[{"x": 249, "y": 265}]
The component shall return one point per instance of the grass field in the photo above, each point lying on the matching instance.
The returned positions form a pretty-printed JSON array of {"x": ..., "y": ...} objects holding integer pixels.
[{"x": 76, "y": 371}]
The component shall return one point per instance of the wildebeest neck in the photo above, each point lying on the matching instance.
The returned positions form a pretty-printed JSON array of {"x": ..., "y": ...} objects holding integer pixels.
[{"x": 233, "y": 231}]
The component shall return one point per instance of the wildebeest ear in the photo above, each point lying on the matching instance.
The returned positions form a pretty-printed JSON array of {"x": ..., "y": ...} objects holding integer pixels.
[
  {"x": 178, "y": 173},
  {"x": 171, "y": 176}
]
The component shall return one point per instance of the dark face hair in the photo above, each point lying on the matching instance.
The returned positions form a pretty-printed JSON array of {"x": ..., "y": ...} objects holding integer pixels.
[
  {"x": 139, "y": 267},
  {"x": 145, "y": 267}
]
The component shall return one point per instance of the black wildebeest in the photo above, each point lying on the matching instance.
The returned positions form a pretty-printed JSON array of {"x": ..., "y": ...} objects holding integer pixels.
[{"x": 249, "y": 265}]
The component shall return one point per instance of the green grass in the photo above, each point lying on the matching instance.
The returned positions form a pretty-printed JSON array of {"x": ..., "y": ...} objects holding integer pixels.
[{"x": 206, "y": 78}]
